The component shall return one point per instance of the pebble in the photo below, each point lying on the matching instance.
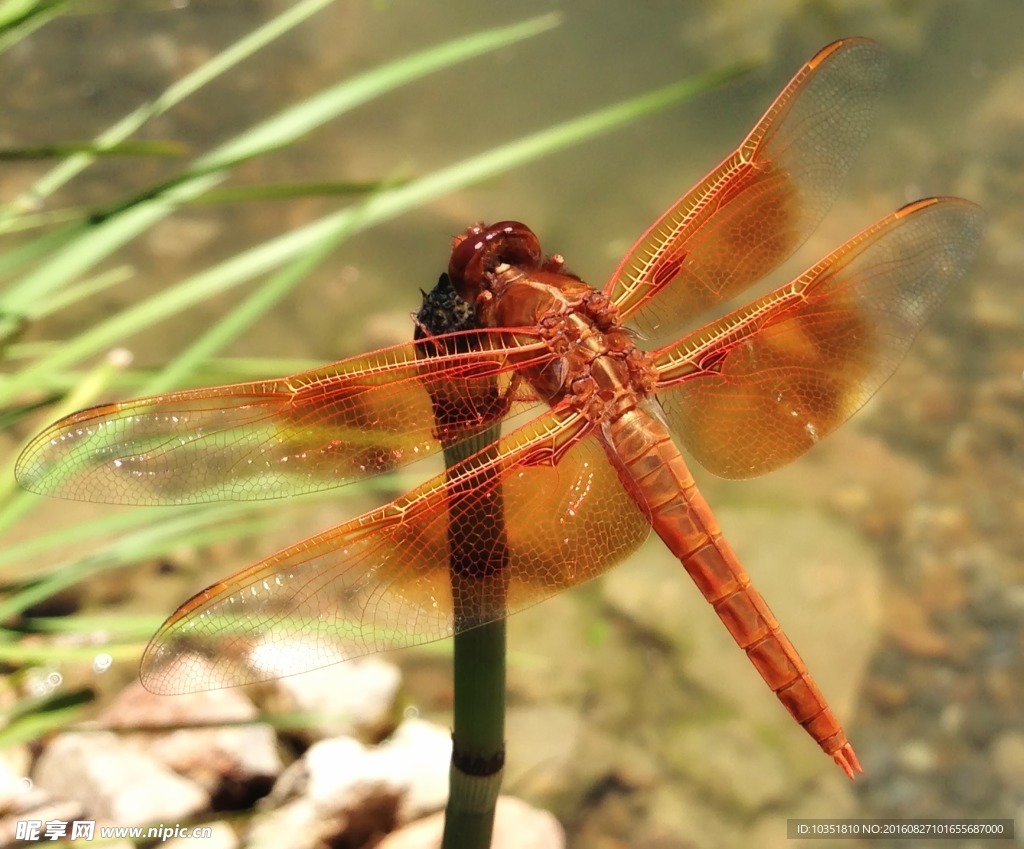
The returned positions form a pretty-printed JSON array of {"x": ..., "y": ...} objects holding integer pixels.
[
  {"x": 114, "y": 781},
  {"x": 517, "y": 825}
]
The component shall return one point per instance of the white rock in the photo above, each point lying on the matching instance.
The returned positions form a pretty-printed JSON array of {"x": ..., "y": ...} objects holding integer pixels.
[
  {"x": 355, "y": 698},
  {"x": 343, "y": 774},
  {"x": 115, "y": 781},
  {"x": 222, "y": 836},
  {"x": 295, "y": 825},
  {"x": 344, "y": 791},
  {"x": 15, "y": 786},
  {"x": 517, "y": 825},
  {"x": 424, "y": 752},
  {"x": 236, "y": 756}
]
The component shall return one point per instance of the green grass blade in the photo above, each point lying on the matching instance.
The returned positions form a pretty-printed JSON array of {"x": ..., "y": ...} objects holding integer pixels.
[
  {"x": 187, "y": 85},
  {"x": 383, "y": 207},
  {"x": 20, "y": 18},
  {"x": 16, "y": 502},
  {"x": 38, "y": 249},
  {"x": 284, "y": 128},
  {"x": 62, "y": 151},
  {"x": 197, "y": 527},
  {"x": 240, "y": 318},
  {"x": 292, "y": 191},
  {"x": 38, "y": 718}
]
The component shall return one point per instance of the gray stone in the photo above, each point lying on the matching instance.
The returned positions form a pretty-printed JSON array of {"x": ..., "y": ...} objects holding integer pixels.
[{"x": 115, "y": 781}]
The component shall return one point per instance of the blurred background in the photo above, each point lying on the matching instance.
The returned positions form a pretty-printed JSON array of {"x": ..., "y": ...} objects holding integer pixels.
[{"x": 892, "y": 554}]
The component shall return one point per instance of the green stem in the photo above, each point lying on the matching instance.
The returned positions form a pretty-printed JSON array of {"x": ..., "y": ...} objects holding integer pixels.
[
  {"x": 477, "y": 561},
  {"x": 478, "y": 737},
  {"x": 478, "y": 570},
  {"x": 479, "y": 726}
]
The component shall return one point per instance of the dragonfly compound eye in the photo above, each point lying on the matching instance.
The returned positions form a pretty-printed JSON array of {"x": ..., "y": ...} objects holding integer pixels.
[{"x": 481, "y": 249}]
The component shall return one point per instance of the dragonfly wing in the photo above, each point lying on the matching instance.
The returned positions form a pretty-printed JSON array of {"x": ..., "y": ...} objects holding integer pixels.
[
  {"x": 751, "y": 212},
  {"x": 384, "y": 580},
  {"x": 762, "y": 385},
  {"x": 305, "y": 433}
]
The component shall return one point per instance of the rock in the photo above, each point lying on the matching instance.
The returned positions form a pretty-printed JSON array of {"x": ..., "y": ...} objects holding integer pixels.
[
  {"x": 680, "y": 815},
  {"x": 822, "y": 584},
  {"x": 343, "y": 774},
  {"x": 28, "y": 825},
  {"x": 1008, "y": 760},
  {"x": 728, "y": 764},
  {"x": 544, "y": 744},
  {"x": 115, "y": 781},
  {"x": 235, "y": 764},
  {"x": 344, "y": 791},
  {"x": 16, "y": 787},
  {"x": 23, "y": 802},
  {"x": 831, "y": 799},
  {"x": 294, "y": 825},
  {"x": 917, "y": 757},
  {"x": 517, "y": 825},
  {"x": 411, "y": 765},
  {"x": 559, "y": 761},
  {"x": 425, "y": 751},
  {"x": 222, "y": 836},
  {"x": 907, "y": 625},
  {"x": 551, "y": 649},
  {"x": 353, "y": 699}
]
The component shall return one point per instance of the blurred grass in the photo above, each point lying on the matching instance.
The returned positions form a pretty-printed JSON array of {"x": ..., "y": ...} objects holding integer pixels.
[{"x": 64, "y": 256}]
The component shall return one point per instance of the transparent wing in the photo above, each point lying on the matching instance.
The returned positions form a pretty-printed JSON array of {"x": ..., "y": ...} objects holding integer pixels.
[
  {"x": 752, "y": 211},
  {"x": 548, "y": 513},
  {"x": 762, "y": 385},
  {"x": 270, "y": 439}
]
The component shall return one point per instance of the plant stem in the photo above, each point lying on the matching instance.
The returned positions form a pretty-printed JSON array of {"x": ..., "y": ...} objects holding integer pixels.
[
  {"x": 478, "y": 567},
  {"x": 477, "y": 560}
]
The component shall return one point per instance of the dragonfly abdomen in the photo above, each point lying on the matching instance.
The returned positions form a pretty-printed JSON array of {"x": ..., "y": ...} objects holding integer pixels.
[{"x": 658, "y": 478}]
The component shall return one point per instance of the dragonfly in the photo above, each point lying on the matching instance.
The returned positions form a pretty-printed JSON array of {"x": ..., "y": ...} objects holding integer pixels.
[{"x": 617, "y": 386}]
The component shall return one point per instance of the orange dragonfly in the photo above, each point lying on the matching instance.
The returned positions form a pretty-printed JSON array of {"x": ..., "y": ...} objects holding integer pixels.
[{"x": 581, "y": 484}]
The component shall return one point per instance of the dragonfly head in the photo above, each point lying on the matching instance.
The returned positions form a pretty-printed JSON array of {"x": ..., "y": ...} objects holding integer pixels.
[{"x": 482, "y": 248}]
